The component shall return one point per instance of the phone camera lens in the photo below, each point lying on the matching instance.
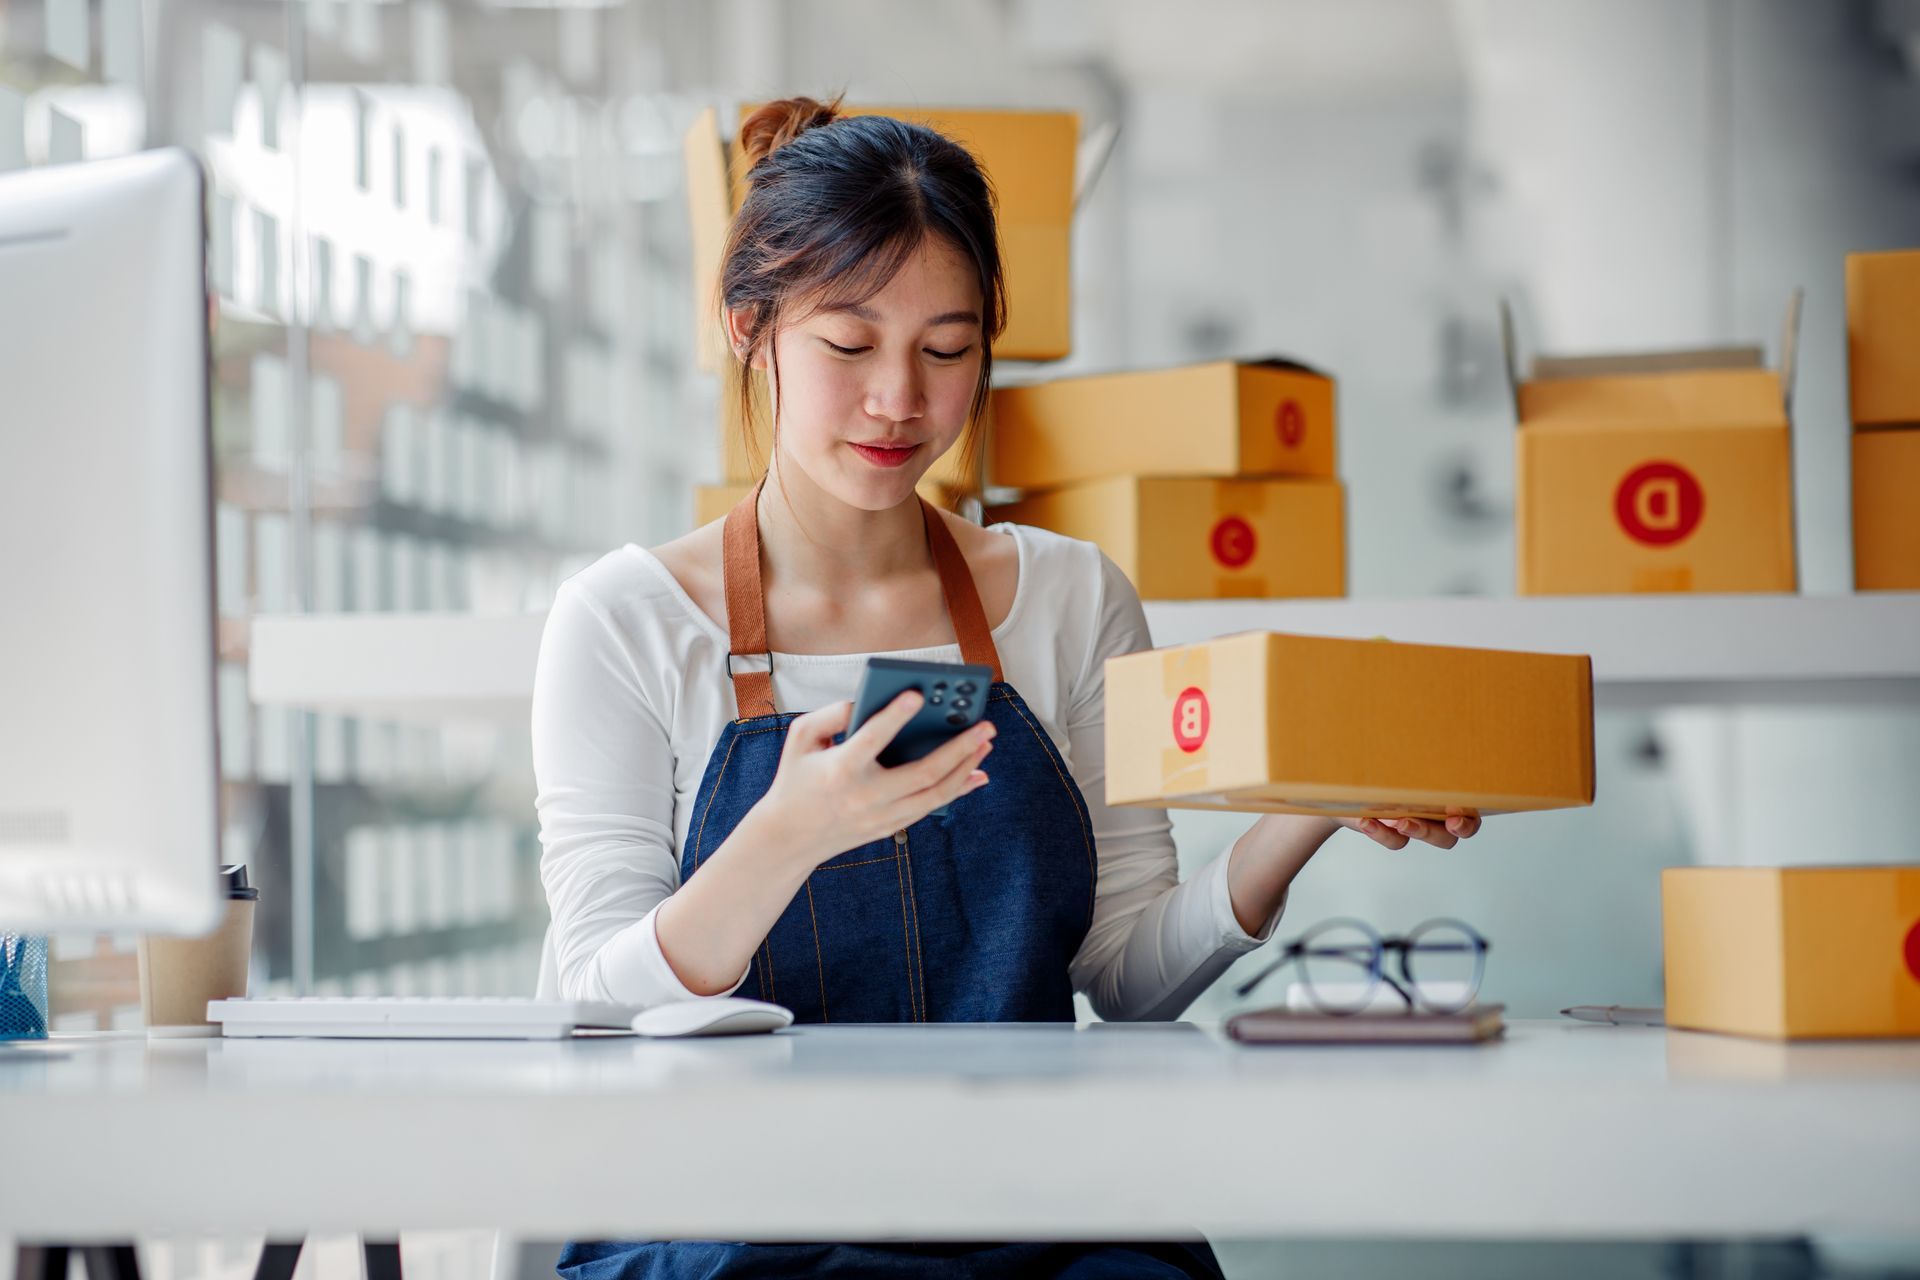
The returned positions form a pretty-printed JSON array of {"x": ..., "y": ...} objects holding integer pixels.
[
  {"x": 956, "y": 719},
  {"x": 961, "y": 704},
  {"x": 965, "y": 686},
  {"x": 940, "y": 684}
]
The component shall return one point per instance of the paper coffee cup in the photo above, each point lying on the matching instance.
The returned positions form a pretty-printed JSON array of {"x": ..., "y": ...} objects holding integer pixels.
[{"x": 178, "y": 976}]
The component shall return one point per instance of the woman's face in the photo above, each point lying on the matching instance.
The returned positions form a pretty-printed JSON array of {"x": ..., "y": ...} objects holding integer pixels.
[{"x": 871, "y": 395}]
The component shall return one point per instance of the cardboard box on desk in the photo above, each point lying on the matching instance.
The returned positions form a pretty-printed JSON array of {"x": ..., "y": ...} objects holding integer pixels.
[
  {"x": 1883, "y": 338},
  {"x": 1668, "y": 472},
  {"x": 1029, "y": 157},
  {"x": 1198, "y": 539},
  {"x": 1793, "y": 952},
  {"x": 1275, "y": 723},
  {"x": 1886, "y": 509},
  {"x": 1267, "y": 418}
]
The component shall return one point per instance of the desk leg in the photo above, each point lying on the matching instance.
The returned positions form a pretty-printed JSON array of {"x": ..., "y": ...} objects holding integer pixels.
[
  {"x": 40, "y": 1262},
  {"x": 111, "y": 1261},
  {"x": 278, "y": 1259},
  {"x": 383, "y": 1259}
]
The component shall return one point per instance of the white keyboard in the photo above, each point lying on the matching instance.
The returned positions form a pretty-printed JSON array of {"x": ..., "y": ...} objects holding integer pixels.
[{"x": 418, "y": 1017}]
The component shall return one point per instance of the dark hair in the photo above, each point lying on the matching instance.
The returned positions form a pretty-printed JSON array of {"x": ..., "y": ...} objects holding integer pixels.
[{"x": 835, "y": 206}]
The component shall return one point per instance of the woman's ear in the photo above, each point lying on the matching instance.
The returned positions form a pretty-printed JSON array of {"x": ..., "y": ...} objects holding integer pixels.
[{"x": 736, "y": 325}]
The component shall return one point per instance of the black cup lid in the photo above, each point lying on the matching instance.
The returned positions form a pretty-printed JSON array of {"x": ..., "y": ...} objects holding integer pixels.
[{"x": 233, "y": 877}]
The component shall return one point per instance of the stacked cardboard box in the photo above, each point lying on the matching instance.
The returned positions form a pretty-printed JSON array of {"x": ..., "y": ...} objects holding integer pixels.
[
  {"x": 1883, "y": 383},
  {"x": 1031, "y": 158},
  {"x": 1667, "y": 472},
  {"x": 1210, "y": 481}
]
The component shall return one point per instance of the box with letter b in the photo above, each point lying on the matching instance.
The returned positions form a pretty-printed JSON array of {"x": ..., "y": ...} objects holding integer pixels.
[{"x": 1269, "y": 722}]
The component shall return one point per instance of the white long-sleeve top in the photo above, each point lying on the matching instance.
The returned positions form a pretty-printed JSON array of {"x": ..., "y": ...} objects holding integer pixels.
[{"x": 631, "y": 693}]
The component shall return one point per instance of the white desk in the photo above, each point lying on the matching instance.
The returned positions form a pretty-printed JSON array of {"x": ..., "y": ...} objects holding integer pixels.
[{"x": 962, "y": 1131}]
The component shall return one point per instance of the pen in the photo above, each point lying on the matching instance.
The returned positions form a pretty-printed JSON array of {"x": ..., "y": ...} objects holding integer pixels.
[{"x": 1617, "y": 1014}]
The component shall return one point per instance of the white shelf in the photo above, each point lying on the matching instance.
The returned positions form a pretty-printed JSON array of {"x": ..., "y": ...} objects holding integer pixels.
[
  {"x": 1647, "y": 650},
  {"x": 422, "y": 667}
]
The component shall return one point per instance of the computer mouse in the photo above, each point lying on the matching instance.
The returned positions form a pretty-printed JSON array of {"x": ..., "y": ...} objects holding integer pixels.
[{"x": 723, "y": 1016}]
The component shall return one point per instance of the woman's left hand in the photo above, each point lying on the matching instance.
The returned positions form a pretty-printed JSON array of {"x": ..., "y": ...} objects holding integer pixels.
[{"x": 1397, "y": 833}]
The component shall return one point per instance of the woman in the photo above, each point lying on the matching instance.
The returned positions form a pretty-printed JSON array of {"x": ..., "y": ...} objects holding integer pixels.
[{"x": 704, "y": 833}]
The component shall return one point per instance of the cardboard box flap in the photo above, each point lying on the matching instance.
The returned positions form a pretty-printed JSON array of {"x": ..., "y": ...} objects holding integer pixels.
[
  {"x": 1711, "y": 386},
  {"x": 1090, "y": 159},
  {"x": 1790, "y": 348},
  {"x": 1286, "y": 364},
  {"x": 1649, "y": 362}
]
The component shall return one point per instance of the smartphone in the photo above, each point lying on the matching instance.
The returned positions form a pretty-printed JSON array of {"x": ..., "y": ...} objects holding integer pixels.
[{"x": 955, "y": 696}]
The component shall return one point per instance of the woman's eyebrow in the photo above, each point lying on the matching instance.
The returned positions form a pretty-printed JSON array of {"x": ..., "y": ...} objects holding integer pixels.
[{"x": 946, "y": 317}]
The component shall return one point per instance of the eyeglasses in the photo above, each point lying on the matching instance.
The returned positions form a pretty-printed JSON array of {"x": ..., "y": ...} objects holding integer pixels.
[{"x": 1342, "y": 961}]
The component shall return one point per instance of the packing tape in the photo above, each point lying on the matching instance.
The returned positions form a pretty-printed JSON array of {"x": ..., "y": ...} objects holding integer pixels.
[{"x": 1183, "y": 770}]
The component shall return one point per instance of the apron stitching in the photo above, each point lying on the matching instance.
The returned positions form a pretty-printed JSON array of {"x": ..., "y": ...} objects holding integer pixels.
[
  {"x": 1044, "y": 745},
  {"x": 700, "y": 838},
  {"x": 842, "y": 866},
  {"x": 817, "y": 958},
  {"x": 906, "y": 944},
  {"x": 773, "y": 993},
  {"x": 712, "y": 795},
  {"x": 919, "y": 951}
]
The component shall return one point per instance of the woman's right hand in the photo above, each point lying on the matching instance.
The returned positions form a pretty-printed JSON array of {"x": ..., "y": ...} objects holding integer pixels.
[{"x": 828, "y": 798}]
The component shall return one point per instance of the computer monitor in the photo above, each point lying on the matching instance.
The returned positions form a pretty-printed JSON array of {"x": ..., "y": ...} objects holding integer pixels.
[{"x": 109, "y": 764}]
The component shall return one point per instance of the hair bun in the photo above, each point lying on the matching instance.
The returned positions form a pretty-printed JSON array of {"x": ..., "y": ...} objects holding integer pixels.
[{"x": 778, "y": 123}]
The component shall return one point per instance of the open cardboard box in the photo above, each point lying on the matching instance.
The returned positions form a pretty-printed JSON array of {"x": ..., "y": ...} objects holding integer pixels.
[
  {"x": 1040, "y": 170},
  {"x": 1663, "y": 472}
]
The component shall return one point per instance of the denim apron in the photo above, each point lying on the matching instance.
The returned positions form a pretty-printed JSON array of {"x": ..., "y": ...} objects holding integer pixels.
[{"x": 972, "y": 917}]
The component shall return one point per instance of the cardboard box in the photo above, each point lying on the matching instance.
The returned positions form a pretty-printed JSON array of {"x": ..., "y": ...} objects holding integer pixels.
[
  {"x": 1029, "y": 157},
  {"x": 1886, "y": 510},
  {"x": 1191, "y": 539},
  {"x": 1669, "y": 472},
  {"x": 1883, "y": 338},
  {"x": 1266, "y": 418},
  {"x": 1793, "y": 952},
  {"x": 1274, "y": 723},
  {"x": 742, "y": 461},
  {"x": 712, "y": 501}
]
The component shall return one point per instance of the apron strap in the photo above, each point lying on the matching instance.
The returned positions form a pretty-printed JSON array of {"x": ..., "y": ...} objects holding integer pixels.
[
  {"x": 963, "y": 599},
  {"x": 747, "y": 609},
  {"x": 746, "y": 606}
]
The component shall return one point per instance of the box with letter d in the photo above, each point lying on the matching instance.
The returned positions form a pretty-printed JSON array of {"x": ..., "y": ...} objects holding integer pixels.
[
  {"x": 1669, "y": 472},
  {"x": 1793, "y": 952},
  {"x": 1268, "y": 722}
]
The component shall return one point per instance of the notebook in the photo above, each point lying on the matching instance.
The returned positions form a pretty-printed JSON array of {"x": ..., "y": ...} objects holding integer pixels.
[{"x": 1281, "y": 1025}]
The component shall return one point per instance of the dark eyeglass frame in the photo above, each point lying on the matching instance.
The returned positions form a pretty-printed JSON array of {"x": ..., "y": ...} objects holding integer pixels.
[{"x": 1373, "y": 961}]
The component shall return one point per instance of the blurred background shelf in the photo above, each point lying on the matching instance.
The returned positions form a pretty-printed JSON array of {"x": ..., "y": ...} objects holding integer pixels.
[{"x": 1647, "y": 651}]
